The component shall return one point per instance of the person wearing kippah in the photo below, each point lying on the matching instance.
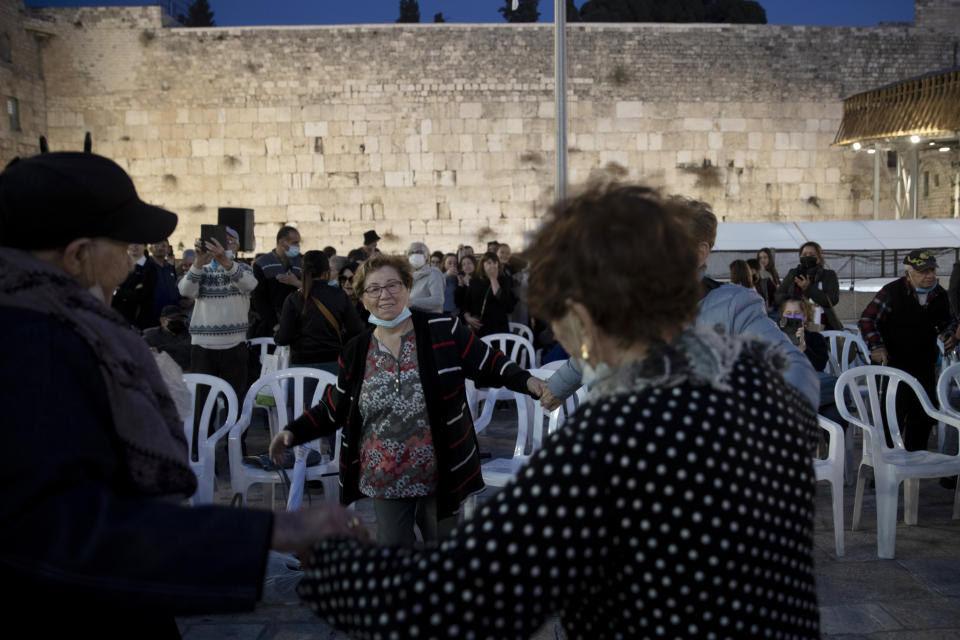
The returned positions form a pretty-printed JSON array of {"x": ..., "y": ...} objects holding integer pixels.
[{"x": 900, "y": 326}]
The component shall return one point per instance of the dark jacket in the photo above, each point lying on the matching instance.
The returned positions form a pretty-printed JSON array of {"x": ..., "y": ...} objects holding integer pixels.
[
  {"x": 311, "y": 337},
  {"x": 492, "y": 310},
  {"x": 447, "y": 351},
  {"x": 177, "y": 345},
  {"x": 824, "y": 291},
  {"x": 268, "y": 298},
  {"x": 73, "y": 529},
  {"x": 906, "y": 329},
  {"x": 134, "y": 298}
]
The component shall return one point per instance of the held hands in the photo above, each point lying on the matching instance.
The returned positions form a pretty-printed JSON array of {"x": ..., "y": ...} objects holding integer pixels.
[
  {"x": 537, "y": 387},
  {"x": 204, "y": 257},
  {"x": 879, "y": 356},
  {"x": 801, "y": 340},
  {"x": 299, "y": 530},
  {"x": 279, "y": 445},
  {"x": 802, "y": 281},
  {"x": 549, "y": 401}
]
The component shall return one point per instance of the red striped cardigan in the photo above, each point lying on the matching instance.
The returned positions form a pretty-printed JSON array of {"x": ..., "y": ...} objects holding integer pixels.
[{"x": 447, "y": 353}]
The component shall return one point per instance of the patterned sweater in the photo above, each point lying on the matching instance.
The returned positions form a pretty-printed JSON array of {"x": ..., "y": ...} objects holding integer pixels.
[{"x": 223, "y": 302}]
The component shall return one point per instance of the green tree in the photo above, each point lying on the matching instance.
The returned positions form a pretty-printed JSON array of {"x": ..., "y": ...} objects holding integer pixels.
[
  {"x": 198, "y": 15},
  {"x": 438, "y": 17},
  {"x": 526, "y": 11},
  {"x": 733, "y": 11},
  {"x": 573, "y": 14},
  {"x": 409, "y": 11}
]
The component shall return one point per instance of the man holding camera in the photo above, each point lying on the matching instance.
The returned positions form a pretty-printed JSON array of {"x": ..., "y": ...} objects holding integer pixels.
[
  {"x": 221, "y": 287},
  {"x": 900, "y": 326}
]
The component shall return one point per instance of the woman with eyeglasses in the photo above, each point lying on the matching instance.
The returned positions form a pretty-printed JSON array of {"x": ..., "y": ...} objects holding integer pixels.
[{"x": 408, "y": 439}]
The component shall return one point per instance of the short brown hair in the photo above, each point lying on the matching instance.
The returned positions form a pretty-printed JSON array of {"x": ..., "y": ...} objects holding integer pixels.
[
  {"x": 378, "y": 261},
  {"x": 607, "y": 250},
  {"x": 700, "y": 219}
]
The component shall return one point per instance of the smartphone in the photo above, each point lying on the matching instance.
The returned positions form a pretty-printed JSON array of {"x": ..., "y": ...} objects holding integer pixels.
[
  {"x": 216, "y": 231},
  {"x": 790, "y": 326}
]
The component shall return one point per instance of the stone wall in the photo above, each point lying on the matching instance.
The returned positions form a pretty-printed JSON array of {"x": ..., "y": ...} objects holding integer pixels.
[
  {"x": 20, "y": 78},
  {"x": 444, "y": 133}
]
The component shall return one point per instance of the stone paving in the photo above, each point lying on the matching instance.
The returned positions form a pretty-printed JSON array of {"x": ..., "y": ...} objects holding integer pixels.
[{"x": 913, "y": 597}]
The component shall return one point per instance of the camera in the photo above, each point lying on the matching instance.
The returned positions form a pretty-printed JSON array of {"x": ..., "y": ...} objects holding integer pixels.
[{"x": 790, "y": 326}]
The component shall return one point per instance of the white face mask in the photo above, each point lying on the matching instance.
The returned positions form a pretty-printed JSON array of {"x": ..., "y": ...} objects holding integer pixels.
[
  {"x": 229, "y": 254},
  {"x": 97, "y": 292},
  {"x": 417, "y": 260}
]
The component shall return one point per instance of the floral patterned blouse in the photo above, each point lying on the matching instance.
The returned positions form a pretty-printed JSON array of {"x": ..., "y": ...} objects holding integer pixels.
[{"x": 397, "y": 458}]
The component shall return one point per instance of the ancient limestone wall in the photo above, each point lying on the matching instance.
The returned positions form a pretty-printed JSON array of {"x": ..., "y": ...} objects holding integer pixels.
[
  {"x": 445, "y": 132},
  {"x": 20, "y": 78}
]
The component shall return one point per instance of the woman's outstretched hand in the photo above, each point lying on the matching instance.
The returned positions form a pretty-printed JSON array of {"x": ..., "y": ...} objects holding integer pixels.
[{"x": 279, "y": 445}]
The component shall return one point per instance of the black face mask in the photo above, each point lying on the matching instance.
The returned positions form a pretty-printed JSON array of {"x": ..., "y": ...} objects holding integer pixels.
[
  {"x": 176, "y": 326},
  {"x": 809, "y": 263}
]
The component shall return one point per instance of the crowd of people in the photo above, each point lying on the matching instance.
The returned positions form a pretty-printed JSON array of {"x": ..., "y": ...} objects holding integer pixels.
[{"x": 634, "y": 518}]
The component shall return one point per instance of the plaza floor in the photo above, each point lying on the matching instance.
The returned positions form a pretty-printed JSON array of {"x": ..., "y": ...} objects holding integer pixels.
[{"x": 913, "y": 597}]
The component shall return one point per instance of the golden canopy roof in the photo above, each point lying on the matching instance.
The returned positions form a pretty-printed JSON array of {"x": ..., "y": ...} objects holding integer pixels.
[{"x": 926, "y": 106}]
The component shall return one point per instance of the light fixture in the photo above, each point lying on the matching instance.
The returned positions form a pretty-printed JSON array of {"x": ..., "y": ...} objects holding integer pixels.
[
  {"x": 944, "y": 149},
  {"x": 856, "y": 146},
  {"x": 871, "y": 151},
  {"x": 914, "y": 139},
  {"x": 932, "y": 144}
]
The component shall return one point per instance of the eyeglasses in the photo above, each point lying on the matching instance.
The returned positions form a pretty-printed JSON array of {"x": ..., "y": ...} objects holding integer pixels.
[{"x": 393, "y": 288}]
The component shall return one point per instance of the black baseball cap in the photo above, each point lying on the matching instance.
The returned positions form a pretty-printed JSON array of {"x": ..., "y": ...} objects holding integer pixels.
[
  {"x": 920, "y": 259},
  {"x": 48, "y": 200}
]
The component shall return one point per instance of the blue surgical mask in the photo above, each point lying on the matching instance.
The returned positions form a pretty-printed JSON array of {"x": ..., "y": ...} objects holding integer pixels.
[
  {"x": 230, "y": 254},
  {"x": 333, "y": 283},
  {"x": 926, "y": 290},
  {"x": 293, "y": 251},
  {"x": 794, "y": 316},
  {"x": 390, "y": 324}
]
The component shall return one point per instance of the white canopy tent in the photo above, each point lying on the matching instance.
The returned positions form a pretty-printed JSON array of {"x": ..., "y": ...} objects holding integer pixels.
[
  {"x": 842, "y": 236},
  {"x": 865, "y": 253}
]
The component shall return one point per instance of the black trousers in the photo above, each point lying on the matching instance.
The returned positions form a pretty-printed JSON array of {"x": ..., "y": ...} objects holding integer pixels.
[
  {"x": 915, "y": 424},
  {"x": 229, "y": 364}
]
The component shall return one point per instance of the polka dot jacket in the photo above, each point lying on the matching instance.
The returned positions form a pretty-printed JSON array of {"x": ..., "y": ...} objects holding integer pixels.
[{"x": 677, "y": 504}]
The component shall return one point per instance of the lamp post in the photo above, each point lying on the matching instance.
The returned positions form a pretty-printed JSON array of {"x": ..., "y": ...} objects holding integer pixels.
[{"x": 560, "y": 95}]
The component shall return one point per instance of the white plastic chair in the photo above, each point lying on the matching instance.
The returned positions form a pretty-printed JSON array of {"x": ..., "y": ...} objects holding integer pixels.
[
  {"x": 264, "y": 344},
  {"x": 846, "y": 350},
  {"x": 949, "y": 377},
  {"x": 522, "y": 330},
  {"x": 204, "y": 466},
  {"x": 831, "y": 470},
  {"x": 243, "y": 476},
  {"x": 482, "y": 400},
  {"x": 891, "y": 465},
  {"x": 515, "y": 347}
]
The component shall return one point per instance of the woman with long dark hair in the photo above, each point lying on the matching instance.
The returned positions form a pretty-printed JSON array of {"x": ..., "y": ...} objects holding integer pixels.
[
  {"x": 317, "y": 320},
  {"x": 490, "y": 299}
]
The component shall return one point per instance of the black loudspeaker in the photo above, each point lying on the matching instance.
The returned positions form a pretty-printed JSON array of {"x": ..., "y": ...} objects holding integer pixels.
[{"x": 242, "y": 221}]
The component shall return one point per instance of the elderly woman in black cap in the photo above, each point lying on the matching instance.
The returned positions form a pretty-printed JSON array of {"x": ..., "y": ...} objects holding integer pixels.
[
  {"x": 89, "y": 514},
  {"x": 678, "y": 502}
]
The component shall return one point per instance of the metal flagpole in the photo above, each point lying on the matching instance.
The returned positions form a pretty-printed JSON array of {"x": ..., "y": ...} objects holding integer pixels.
[{"x": 560, "y": 93}]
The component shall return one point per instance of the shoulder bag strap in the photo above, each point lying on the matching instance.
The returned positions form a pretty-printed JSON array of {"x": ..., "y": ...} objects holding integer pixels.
[{"x": 329, "y": 316}]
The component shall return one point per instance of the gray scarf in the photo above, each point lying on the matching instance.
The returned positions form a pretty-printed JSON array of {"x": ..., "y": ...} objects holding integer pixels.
[{"x": 144, "y": 416}]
